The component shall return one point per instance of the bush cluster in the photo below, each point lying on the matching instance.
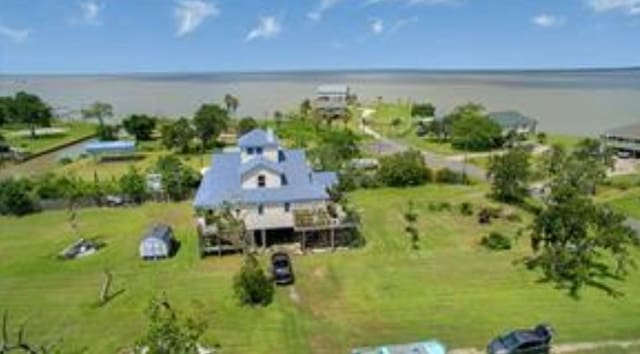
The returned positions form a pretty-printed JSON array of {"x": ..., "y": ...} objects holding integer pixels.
[
  {"x": 496, "y": 241},
  {"x": 404, "y": 169}
]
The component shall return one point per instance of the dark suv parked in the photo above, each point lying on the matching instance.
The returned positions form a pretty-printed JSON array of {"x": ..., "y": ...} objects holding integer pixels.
[
  {"x": 523, "y": 341},
  {"x": 281, "y": 268}
]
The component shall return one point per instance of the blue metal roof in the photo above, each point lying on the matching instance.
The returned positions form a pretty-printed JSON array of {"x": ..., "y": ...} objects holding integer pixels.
[
  {"x": 110, "y": 146},
  {"x": 258, "y": 138},
  {"x": 260, "y": 162},
  {"x": 222, "y": 182},
  {"x": 326, "y": 179}
]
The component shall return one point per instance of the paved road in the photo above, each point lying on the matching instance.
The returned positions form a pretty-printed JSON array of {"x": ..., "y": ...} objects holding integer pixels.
[{"x": 386, "y": 146}]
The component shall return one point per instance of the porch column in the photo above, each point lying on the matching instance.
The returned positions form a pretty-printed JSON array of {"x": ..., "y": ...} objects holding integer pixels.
[
  {"x": 333, "y": 239},
  {"x": 263, "y": 235}
]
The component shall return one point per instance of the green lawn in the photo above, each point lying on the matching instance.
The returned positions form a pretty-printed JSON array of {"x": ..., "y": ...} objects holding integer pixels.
[
  {"x": 41, "y": 143},
  {"x": 450, "y": 289}
]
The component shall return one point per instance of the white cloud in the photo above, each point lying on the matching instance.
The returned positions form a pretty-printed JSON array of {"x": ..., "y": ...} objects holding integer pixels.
[
  {"x": 318, "y": 11},
  {"x": 400, "y": 24},
  {"x": 90, "y": 11},
  {"x": 190, "y": 14},
  {"x": 630, "y": 7},
  {"x": 547, "y": 21},
  {"x": 15, "y": 34},
  {"x": 377, "y": 26},
  {"x": 268, "y": 27}
]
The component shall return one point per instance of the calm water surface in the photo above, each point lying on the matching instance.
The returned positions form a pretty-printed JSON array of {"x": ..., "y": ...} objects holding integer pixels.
[{"x": 573, "y": 102}]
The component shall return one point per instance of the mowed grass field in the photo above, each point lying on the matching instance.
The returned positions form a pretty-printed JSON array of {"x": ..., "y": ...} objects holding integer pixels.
[
  {"x": 73, "y": 132},
  {"x": 450, "y": 288}
]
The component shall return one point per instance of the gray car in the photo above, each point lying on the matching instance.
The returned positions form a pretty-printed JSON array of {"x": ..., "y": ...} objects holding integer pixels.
[{"x": 523, "y": 341}]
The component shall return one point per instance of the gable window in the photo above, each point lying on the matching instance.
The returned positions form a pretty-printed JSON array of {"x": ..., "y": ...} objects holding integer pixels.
[
  {"x": 262, "y": 181},
  {"x": 259, "y": 150},
  {"x": 260, "y": 209},
  {"x": 250, "y": 151},
  {"x": 287, "y": 207}
]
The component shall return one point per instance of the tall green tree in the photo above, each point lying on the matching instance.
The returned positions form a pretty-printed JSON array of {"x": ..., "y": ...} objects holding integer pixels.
[
  {"x": 133, "y": 185},
  {"x": 210, "y": 121},
  {"x": 246, "y": 125},
  {"x": 178, "y": 179},
  {"x": 140, "y": 125},
  {"x": 98, "y": 110},
  {"x": 178, "y": 134},
  {"x": 578, "y": 243},
  {"x": 596, "y": 159},
  {"x": 509, "y": 175},
  {"x": 231, "y": 102},
  {"x": 476, "y": 133},
  {"x": 30, "y": 109},
  {"x": 167, "y": 333}
]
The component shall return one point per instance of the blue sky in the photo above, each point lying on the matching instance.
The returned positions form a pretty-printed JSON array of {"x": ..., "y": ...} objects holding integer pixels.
[{"x": 94, "y": 36}]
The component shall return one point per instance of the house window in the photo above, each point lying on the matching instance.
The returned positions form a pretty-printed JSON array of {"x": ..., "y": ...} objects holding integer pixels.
[
  {"x": 259, "y": 150},
  {"x": 262, "y": 181},
  {"x": 250, "y": 151},
  {"x": 283, "y": 180},
  {"x": 287, "y": 207},
  {"x": 260, "y": 209}
]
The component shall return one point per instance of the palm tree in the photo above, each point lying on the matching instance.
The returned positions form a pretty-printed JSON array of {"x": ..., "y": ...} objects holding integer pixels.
[{"x": 305, "y": 108}]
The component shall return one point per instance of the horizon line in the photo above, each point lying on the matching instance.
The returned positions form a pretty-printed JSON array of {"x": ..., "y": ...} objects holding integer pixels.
[{"x": 334, "y": 71}]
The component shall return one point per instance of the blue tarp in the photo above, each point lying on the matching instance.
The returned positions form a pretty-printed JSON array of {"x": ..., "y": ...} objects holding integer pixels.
[{"x": 102, "y": 147}]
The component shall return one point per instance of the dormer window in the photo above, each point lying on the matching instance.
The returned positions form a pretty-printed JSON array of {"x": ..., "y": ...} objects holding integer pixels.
[{"x": 262, "y": 181}]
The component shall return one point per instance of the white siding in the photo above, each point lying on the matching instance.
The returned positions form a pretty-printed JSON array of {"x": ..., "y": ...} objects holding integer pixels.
[{"x": 250, "y": 179}]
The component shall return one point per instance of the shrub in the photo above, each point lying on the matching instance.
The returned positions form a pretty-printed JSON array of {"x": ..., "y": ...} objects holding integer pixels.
[
  {"x": 404, "y": 169},
  {"x": 444, "y": 206},
  {"x": 15, "y": 197},
  {"x": 496, "y": 241},
  {"x": 449, "y": 176},
  {"x": 466, "y": 209},
  {"x": 65, "y": 160},
  {"x": 251, "y": 285},
  {"x": 106, "y": 132}
]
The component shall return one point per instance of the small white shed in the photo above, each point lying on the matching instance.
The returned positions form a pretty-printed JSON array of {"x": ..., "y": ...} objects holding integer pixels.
[{"x": 158, "y": 243}]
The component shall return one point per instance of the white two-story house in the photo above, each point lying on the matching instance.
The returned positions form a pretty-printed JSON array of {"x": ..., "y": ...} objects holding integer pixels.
[{"x": 265, "y": 185}]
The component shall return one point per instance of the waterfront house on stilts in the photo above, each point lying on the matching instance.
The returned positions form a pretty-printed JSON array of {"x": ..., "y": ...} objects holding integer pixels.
[{"x": 264, "y": 194}]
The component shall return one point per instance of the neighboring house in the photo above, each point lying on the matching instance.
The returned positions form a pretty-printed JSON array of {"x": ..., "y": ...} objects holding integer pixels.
[
  {"x": 332, "y": 100},
  {"x": 272, "y": 190},
  {"x": 157, "y": 243},
  {"x": 623, "y": 139},
  {"x": 512, "y": 121}
]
